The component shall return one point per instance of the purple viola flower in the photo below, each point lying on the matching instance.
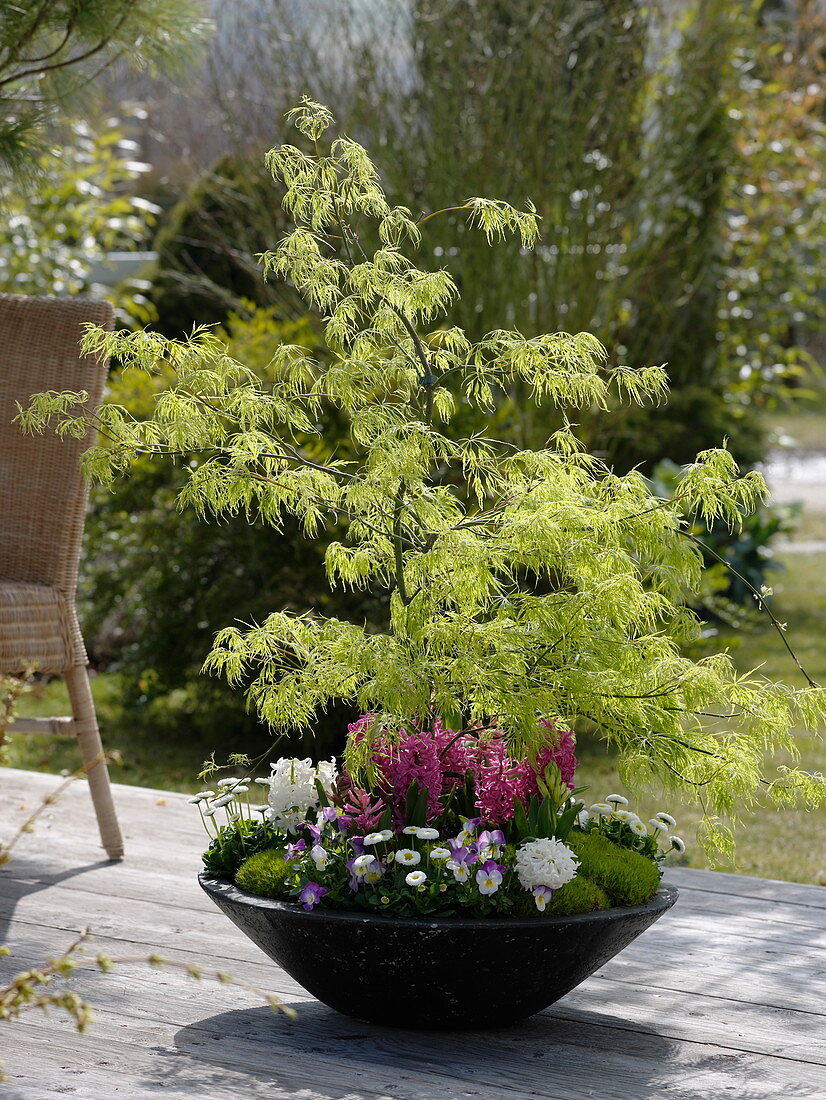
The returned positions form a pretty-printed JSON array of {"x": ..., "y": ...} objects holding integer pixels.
[
  {"x": 490, "y": 866},
  {"x": 295, "y": 850},
  {"x": 313, "y": 830},
  {"x": 355, "y": 880},
  {"x": 542, "y": 895},
  {"x": 466, "y": 856},
  {"x": 472, "y": 824},
  {"x": 489, "y": 877},
  {"x": 358, "y": 844},
  {"x": 329, "y": 816},
  {"x": 311, "y": 895},
  {"x": 491, "y": 838}
]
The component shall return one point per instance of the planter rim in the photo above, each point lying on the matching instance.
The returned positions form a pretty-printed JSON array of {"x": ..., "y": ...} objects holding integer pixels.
[{"x": 662, "y": 900}]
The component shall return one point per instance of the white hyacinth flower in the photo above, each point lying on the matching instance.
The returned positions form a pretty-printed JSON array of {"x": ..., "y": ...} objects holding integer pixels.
[
  {"x": 545, "y": 862},
  {"x": 293, "y": 790}
]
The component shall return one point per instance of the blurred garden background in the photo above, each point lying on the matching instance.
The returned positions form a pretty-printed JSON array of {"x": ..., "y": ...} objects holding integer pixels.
[{"x": 676, "y": 152}]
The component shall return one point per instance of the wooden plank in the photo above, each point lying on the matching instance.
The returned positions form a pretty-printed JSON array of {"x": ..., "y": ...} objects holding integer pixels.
[
  {"x": 746, "y": 886},
  {"x": 545, "y": 1056}
]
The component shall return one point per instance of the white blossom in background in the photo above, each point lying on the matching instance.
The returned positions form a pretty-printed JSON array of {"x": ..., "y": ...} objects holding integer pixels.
[
  {"x": 293, "y": 790},
  {"x": 545, "y": 862}
]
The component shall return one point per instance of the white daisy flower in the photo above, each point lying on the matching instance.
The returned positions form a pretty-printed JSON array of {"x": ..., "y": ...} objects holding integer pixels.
[
  {"x": 228, "y": 782},
  {"x": 616, "y": 800},
  {"x": 196, "y": 798},
  {"x": 658, "y": 825},
  {"x": 223, "y": 800},
  {"x": 427, "y": 834},
  {"x": 361, "y": 864},
  {"x": 670, "y": 821},
  {"x": 628, "y": 816},
  {"x": 373, "y": 838},
  {"x": 600, "y": 809},
  {"x": 386, "y": 834},
  {"x": 415, "y": 878},
  {"x": 440, "y": 853},
  {"x": 637, "y": 828},
  {"x": 407, "y": 857},
  {"x": 678, "y": 844},
  {"x": 411, "y": 830}
]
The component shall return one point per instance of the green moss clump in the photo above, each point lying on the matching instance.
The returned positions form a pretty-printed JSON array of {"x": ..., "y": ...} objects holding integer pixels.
[
  {"x": 580, "y": 895},
  {"x": 265, "y": 874},
  {"x": 628, "y": 878}
]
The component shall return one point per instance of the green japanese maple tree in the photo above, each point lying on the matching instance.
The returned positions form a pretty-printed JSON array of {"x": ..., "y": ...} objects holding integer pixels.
[{"x": 521, "y": 585}]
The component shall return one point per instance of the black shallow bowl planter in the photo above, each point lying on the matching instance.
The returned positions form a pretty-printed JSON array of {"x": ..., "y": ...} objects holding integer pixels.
[{"x": 422, "y": 973}]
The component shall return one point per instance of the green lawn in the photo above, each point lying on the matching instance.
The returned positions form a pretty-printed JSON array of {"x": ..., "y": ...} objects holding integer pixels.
[{"x": 785, "y": 845}]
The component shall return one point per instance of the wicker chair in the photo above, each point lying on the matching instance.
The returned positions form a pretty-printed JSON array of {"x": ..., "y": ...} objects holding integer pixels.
[{"x": 44, "y": 500}]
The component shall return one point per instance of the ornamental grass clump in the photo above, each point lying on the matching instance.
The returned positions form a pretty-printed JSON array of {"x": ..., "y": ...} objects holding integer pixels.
[{"x": 525, "y": 590}]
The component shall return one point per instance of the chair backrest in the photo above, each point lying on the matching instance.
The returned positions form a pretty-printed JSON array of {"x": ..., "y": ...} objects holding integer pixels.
[{"x": 42, "y": 493}]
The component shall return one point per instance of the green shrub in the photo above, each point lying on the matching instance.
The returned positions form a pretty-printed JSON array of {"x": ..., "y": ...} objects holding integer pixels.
[
  {"x": 265, "y": 874},
  {"x": 207, "y": 249},
  {"x": 628, "y": 878}
]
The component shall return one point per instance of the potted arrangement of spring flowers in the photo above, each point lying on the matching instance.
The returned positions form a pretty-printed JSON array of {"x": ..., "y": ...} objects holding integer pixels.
[
  {"x": 526, "y": 590},
  {"x": 452, "y": 845}
]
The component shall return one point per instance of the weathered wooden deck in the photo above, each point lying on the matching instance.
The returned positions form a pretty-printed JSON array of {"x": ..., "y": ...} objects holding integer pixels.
[{"x": 723, "y": 997}]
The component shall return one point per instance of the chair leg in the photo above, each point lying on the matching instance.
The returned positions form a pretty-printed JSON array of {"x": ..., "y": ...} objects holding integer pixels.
[{"x": 91, "y": 750}]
